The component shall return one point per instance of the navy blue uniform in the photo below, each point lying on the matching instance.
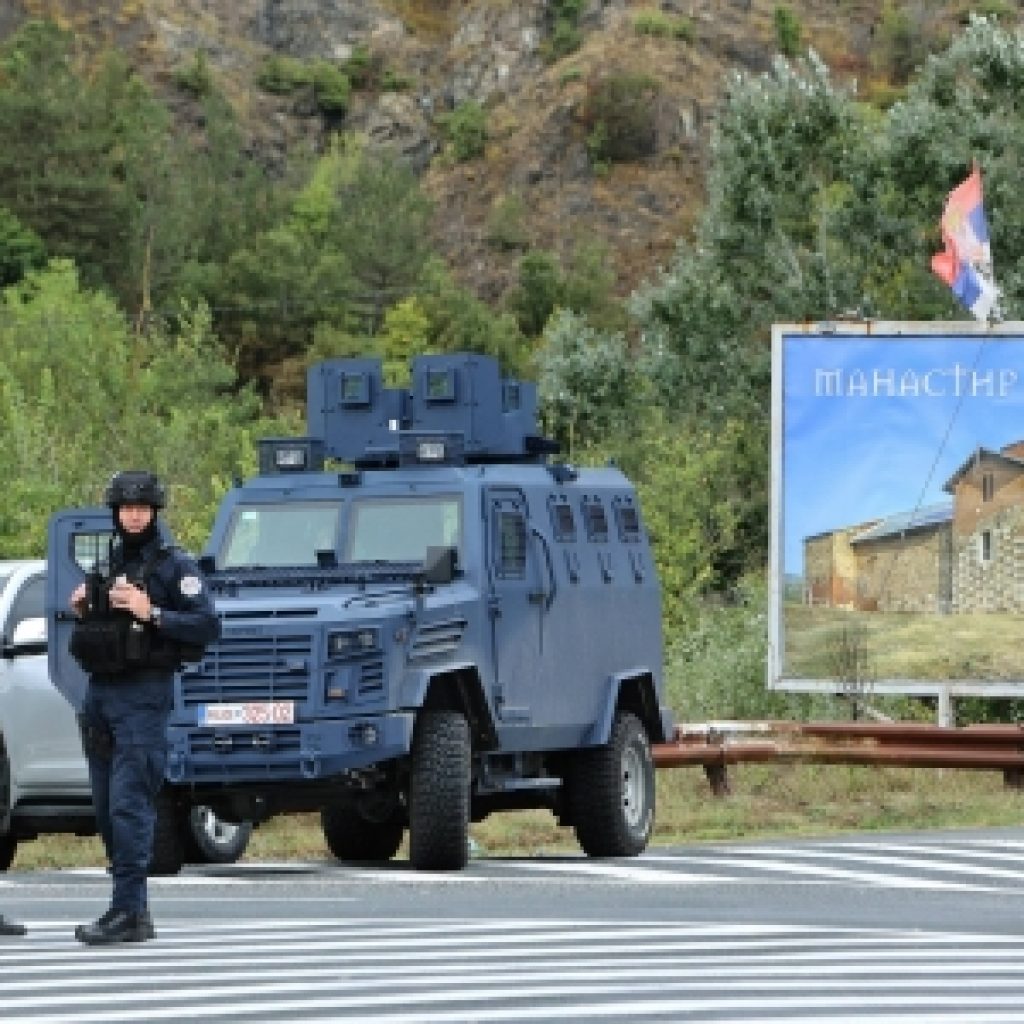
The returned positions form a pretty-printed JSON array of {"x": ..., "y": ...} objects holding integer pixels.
[{"x": 133, "y": 710}]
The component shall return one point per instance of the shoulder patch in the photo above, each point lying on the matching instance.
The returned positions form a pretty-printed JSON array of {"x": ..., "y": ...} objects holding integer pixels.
[{"x": 191, "y": 586}]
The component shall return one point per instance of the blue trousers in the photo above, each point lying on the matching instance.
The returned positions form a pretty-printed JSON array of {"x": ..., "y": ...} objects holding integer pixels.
[{"x": 127, "y": 778}]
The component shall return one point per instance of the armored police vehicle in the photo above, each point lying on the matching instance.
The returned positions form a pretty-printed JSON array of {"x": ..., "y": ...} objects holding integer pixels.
[{"x": 441, "y": 623}]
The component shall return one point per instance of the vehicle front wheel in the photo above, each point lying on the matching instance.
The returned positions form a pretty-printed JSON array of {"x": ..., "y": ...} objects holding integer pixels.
[
  {"x": 208, "y": 839},
  {"x": 439, "y": 791},
  {"x": 612, "y": 792}
]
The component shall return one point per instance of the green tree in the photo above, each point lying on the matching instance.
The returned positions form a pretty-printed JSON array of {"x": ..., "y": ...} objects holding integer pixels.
[
  {"x": 966, "y": 104},
  {"x": 59, "y": 160},
  {"x": 381, "y": 222},
  {"x": 538, "y": 291},
  {"x": 21, "y": 249},
  {"x": 84, "y": 394},
  {"x": 404, "y": 335},
  {"x": 460, "y": 322},
  {"x": 588, "y": 383},
  {"x": 767, "y": 250}
]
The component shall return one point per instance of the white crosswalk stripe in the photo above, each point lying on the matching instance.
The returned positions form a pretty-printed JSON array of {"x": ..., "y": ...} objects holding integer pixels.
[
  {"x": 981, "y": 865},
  {"x": 978, "y": 865},
  {"x": 518, "y": 969},
  {"x": 509, "y": 970}
]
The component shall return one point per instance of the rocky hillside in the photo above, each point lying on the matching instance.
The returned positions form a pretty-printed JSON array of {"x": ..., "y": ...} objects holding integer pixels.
[{"x": 540, "y": 180}]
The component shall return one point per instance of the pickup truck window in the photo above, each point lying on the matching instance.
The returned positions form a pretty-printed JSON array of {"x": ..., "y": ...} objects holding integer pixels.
[{"x": 28, "y": 604}]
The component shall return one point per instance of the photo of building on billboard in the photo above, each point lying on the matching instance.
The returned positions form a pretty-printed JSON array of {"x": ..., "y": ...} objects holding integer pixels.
[{"x": 898, "y": 507}]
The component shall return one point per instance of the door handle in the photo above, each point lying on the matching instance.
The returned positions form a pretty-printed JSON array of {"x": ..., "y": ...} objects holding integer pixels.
[{"x": 545, "y": 597}]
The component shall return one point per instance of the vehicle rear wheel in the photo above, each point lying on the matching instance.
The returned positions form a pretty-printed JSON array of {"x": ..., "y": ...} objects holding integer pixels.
[
  {"x": 358, "y": 832},
  {"x": 439, "y": 792},
  {"x": 612, "y": 792},
  {"x": 208, "y": 839}
]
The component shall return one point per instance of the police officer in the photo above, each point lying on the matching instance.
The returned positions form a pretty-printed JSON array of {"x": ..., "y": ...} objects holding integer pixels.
[{"x": 157, "y": 608}]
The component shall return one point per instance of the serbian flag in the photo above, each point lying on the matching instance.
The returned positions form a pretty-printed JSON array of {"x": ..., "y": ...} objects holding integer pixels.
[{"x": 965, "y": 264}]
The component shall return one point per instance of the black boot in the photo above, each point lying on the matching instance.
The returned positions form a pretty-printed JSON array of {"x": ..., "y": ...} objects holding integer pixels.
[
  {"x": 117, "y": 926},
  {"x": 10, "y": 928},
  {"x": 101, "y": 922}
]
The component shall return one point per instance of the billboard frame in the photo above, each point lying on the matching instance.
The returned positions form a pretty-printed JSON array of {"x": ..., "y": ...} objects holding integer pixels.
[{"x": 945, "y": 689}]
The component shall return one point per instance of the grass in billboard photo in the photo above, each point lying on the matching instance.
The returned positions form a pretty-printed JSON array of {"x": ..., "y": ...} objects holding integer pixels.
[{"x": 835, "y": 643}]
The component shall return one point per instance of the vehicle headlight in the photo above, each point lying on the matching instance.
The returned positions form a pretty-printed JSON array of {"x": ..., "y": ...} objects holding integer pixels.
[{"x": 346, "y": 643}]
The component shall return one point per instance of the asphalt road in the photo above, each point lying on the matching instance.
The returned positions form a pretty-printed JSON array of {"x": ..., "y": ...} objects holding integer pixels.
[{"x": 891, "y": 929}]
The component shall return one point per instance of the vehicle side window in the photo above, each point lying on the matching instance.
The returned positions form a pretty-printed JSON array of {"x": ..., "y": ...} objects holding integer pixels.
[
  {"x": 562, "y": 522},
  {"x": 28, "y": 604},
  {"x": 628, "y": 520},
  {"x": 91, "y": 551},
  {"x": 597, "y": 523},
  {"x": 511, "y": 544}
]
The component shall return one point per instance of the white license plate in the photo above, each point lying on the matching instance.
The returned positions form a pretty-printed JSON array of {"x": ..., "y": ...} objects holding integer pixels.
[{"x": 262, "y": 712}]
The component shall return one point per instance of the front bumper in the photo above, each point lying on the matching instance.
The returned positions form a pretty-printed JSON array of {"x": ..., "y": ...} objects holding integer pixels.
[{"x": 303, "y": 751}]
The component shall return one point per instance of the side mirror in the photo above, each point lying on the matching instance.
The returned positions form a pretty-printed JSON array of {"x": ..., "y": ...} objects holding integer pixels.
[{"x": 439, "y": 564}]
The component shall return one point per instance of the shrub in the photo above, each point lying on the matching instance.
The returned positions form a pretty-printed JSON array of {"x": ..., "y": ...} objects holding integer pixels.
[
  {"x": 466, "y": 129},
  {"x": 362, "y": 67},
  {"x": 195, "y": 77},
  {"x": 900, "y": 47},
  {"x": 394, "y": 81},
  {"x": 506, "y": 225},
  {"x": 331, "y": 87},
  {"x": 656, "y": 23},
  {"x": 995, "y": 9},
  {"x": 283, "y": 75},
  {"x": 565, "y": 36},
  {"x": 788, "y": 31},
  {"x": 620, "y": 112}
]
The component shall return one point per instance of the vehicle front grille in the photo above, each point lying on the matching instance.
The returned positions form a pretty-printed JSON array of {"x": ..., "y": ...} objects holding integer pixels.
[
  {"x": 236, "y": 669},
  {"x": 239, "y": 741},
  {"x": 371, "y": 677}
]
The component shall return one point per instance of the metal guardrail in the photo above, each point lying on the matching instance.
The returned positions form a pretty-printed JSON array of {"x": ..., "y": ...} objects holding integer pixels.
[{"x": 715, "y": 745}]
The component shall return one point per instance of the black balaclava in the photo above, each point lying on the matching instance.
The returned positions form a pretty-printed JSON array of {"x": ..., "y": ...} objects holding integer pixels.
[{"x": 133, "y": 543}]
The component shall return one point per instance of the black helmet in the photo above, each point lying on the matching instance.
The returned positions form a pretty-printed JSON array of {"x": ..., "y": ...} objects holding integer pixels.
[{"x": 135, "y": 487}]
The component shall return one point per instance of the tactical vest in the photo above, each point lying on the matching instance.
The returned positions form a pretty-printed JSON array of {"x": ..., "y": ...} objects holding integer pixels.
[{"x": 112, "y": 642}]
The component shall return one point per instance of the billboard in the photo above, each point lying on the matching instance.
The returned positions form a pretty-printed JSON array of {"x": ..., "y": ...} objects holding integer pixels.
[{"x": 897, "y": 549}]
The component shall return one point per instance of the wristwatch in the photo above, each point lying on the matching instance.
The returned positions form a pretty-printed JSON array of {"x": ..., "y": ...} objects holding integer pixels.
[{"x": 156, "y": 615}]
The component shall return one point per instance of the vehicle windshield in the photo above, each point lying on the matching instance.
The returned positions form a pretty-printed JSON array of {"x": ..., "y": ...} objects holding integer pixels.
[
  {"x": 285, "y": 533},
  {"x": 401, "y": 529},
  {"x": 376, "y": 530}
]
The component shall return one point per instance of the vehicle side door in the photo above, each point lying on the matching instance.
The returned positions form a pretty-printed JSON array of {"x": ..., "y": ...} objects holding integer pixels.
[
  {"x": 78, "y": 543},
  {"x": 38, "y": 724},
  {"x": 516, "y": 606}
]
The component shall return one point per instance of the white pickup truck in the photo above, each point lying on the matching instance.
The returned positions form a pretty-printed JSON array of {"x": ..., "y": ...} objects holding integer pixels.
[{"x": 44, "y": 781}]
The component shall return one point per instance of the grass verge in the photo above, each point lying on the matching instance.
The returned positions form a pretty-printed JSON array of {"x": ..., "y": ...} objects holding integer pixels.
[{"x": 766, "y": 801}]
